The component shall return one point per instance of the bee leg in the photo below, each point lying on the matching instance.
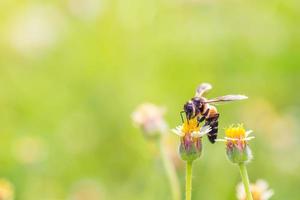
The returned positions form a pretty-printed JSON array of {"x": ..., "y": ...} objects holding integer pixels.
[
  {"x": 181, "y": 116},
  {"x": 200, "y": 119},
  {"x": 203, "y": 117},
  {"x": 213, "y": 123}
]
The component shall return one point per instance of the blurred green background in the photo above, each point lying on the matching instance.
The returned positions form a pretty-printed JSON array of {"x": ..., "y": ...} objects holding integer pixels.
[{"x": 72, "y": 72}]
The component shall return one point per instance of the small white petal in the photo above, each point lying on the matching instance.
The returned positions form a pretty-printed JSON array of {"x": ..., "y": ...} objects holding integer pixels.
[
  {"x": 197, "y": 134},
  {"x": 174, "y": 130},
  {"x": 220, "y": 140},
  {"x": 205, "y": 129},
  {"x": 231, "y": 139},
  {"x": 267, "y": 194},
  {"x": 262, "y": 184},
  {"x": 248, "y": 132},
  {"x": 240, "y": 191},
  {"x": 178, "y": 132},
  {"x": 249, "y": 138}
]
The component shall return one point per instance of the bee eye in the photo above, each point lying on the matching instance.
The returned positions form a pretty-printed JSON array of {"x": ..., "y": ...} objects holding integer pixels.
[
  {"x": 189, "y": 108},
  {"x": 197, "y": 103}
]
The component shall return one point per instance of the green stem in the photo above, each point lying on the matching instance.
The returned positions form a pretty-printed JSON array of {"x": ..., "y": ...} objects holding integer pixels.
[
  {"x": 245, "y": 179},
  {"x": 188, "y": 180},
  {"x": 170, "y": 171}
]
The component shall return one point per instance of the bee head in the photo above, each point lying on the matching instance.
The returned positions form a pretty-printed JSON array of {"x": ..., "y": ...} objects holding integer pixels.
[
  {"x": 189, "y": 109},
  {"x": 197, "y": 102}
]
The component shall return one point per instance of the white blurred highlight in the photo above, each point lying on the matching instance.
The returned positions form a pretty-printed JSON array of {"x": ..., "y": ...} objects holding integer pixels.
[
  {"x": 86, "y": 190},
  {"x": 35, "y": 29},
  {"x": 85, "y": 9},
  {"x": 29, "y": 150}
]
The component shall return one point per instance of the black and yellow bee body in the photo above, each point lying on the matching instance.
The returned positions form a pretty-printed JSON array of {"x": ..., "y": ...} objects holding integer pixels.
[{"x": 199, "y": 107}]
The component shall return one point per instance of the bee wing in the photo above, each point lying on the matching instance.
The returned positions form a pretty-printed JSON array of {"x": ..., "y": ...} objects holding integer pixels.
[
  {"x": 202, "y": 88},
  {"x": 227, "y": 98}
]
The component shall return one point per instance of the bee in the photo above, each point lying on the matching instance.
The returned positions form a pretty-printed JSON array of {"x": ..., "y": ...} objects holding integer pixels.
[{"x": 201, "y": 108}]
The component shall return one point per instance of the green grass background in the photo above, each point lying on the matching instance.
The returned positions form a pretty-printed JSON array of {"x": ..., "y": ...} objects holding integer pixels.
[{"x": 76, "y": 97}]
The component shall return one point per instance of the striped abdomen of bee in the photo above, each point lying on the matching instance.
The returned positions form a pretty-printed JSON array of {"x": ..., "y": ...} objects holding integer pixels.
[{"x": 211, "y": 116}]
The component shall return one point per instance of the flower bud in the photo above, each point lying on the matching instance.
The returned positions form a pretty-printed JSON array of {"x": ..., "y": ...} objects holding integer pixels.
[
  {"x": 190, "y": 148},
  {"x": 238, "y": 154}
]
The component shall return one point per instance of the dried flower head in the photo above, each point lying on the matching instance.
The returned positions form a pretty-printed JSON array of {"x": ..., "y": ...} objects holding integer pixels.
[
  {"x": 6, "y": 190},
  {"x": 260, "y": 191},
  {"x": 236, "y": 139},
  {"x": 150, "y": 118},
  {"x": 190, "y": 135}
]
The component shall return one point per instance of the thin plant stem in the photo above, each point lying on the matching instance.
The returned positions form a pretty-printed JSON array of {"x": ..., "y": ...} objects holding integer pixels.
[
  {"x": 188, "y": 180},
  {"x": 245, "y": 179},
  {"x": 170, "y": 171}
]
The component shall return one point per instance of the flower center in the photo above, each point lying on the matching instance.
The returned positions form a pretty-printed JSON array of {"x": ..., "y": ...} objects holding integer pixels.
[
  {"x": 237, "y": 132},
  {"x": 190, "y": 126},
  {"x": 256, "y": 193}
]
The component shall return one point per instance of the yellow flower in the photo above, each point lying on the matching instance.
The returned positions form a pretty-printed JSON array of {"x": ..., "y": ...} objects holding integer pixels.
[
  {"x": 237, "y": 149},
  {"x": 236, "y": 134},
  {"x": 190, "y": 134},
  {"x": 191, "y": 128},
  {"x": 260, "y": 191}
]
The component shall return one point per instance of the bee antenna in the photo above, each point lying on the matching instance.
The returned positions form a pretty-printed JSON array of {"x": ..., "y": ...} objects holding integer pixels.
[{"x": 182, "y": 116}]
